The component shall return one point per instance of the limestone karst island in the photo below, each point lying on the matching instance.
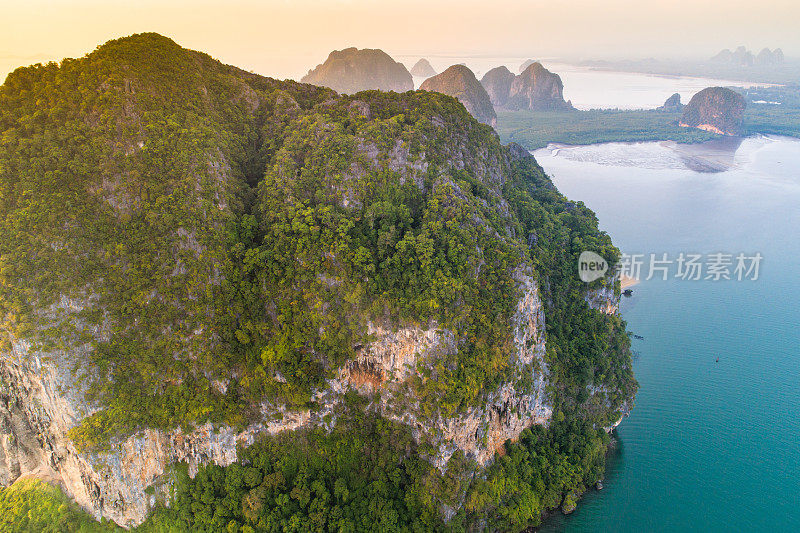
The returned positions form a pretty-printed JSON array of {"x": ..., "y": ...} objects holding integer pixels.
[{"x": 375, "y": 267}]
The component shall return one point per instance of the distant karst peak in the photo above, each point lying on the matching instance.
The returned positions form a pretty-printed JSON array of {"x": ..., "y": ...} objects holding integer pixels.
[
  {"x": 351, "y": 70},
  {"x": 537, "y": 89},
  {"x": 423, "y": 69},
  {"x": 459, "y": 81}
]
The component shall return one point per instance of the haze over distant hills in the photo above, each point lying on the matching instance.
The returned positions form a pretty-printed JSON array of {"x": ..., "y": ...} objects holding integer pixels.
[
  {"x": 423, "y": 69},
  {"x": 739, "y": 64},
  {"x": 745, "y": 58}
]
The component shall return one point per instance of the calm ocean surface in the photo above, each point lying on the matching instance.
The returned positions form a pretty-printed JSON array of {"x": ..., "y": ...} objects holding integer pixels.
[{"x": 710, "y": 446}]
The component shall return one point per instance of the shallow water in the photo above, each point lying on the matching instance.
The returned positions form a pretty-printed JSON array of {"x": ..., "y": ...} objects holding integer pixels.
[{"x": 710, "y": 446}]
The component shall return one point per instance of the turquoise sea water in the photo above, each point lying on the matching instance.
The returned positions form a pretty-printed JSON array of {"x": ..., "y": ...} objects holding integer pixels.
[{"x": 710, "y": 446}]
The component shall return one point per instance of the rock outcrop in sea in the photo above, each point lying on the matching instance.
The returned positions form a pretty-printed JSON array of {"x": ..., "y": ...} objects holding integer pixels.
[
  {"x": 715, "y": 109},
  {"x": 459, "y": 81},
  {"x": 351, "y": 70},
  {"x": 537, "y": 89},
  {"x": 497, "y": 83},
  {"x": 423, "y": 69}
]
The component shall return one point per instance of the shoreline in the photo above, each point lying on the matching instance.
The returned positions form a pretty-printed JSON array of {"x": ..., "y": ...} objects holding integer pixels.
[
  {"x": 710, "y": 157},
  {"x": 538, "y": 129},
  {"x": 626, "y": 282}
]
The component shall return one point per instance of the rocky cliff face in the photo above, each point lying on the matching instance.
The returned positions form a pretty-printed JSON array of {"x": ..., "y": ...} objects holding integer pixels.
[
  {"x": 497, "y": 83},
  {"x": 537, "y": 89},
  {"x": 423, "y": 69},
  {"x": 715, "y": 109},
  {"x": 40, "y": 401},
  {"x": 351, "y": 70},
  {"x": 95, "y": 359},
  {"x": 42, "y": 391},
  {"x": 460, "y": 82},
  {"x": 604, "y": 299}
]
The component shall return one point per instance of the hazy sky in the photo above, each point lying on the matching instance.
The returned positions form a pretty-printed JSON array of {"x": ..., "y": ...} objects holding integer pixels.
[{"x": 285, "y": 38}]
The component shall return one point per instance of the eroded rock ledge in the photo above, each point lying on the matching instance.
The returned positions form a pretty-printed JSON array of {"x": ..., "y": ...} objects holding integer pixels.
[{"x": 40, "y": 401}]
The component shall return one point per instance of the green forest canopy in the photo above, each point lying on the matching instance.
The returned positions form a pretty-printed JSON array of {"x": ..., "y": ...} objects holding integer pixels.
[{"x": 191, "y": 222}]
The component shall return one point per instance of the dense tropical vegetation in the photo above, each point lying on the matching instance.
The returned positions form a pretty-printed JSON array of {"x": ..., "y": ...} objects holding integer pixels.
[
  {"x": 369, "y": 474},
  {"x": 536, "y": 129},
  {"x": 366, "y": 474},
  {"x": 213, "y": 240},
  {"x": 34, "y": 505}
]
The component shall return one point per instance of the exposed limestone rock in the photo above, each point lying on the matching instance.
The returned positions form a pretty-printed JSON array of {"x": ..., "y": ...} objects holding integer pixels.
[
  {"x": 604, "y": 299},
  {"x": 497, "y": 83},
  {"x": 40, "y": 400},
  {"x": 39, "y": 403},
  {"x": 537, "y": 89},
  {"x": 351, "y": 70},
  {"x": 715, "y": 109},
  {"x": 393, "y": 355},
  {"x": 460, "y": 82},
  {"x": 508, "y": 411}
]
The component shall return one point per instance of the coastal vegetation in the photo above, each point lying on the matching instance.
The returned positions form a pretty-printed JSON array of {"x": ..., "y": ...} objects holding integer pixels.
[
  {"x": 34, "y": 505},
  {"x": 147, "y": 248},
  {"x": 366, "y": 474},
  {"x": 536, "y": 129}
]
